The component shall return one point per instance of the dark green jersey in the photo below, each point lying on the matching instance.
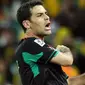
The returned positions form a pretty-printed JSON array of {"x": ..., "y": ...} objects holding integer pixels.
[{"x": 33, "y": 58}]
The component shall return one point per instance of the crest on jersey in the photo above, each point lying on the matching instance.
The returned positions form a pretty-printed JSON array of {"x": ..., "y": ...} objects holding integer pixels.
[{"x": 39, "y": 42}]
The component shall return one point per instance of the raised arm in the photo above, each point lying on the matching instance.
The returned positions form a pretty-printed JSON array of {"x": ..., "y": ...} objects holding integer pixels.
[{"x": 64, "y": 56}]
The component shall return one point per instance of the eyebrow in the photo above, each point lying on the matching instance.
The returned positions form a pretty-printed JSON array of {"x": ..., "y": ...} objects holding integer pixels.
[{"x": 41, "y": 13}]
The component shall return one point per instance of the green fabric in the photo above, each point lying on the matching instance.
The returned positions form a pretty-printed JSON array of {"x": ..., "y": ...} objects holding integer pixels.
[{"x": 31, "y": 60}]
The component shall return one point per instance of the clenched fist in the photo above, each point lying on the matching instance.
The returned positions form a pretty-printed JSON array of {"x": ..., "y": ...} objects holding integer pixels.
[{"x": 63, "y": 48}]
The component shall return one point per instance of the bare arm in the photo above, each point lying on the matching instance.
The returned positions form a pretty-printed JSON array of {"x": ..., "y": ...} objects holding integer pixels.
[
  {"x": 77, "y": 80},
  {"x": 64, "y": 57}
]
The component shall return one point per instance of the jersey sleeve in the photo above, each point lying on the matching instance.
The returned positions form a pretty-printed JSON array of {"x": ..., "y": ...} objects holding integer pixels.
[
  {"x": 49, "y": 53},
  {"x": 39, "y": 51}
]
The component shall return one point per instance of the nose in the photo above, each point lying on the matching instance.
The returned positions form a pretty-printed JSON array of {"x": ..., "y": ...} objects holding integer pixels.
[{"x": 46, "y": 17}]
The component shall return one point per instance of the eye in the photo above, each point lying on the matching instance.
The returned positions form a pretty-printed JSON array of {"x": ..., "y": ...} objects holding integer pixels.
[
  {"x": 46, "y": 13},
  {"x": 39, "y": 15}
]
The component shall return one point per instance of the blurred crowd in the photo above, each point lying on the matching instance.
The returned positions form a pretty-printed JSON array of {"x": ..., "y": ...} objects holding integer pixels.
[{"x": 67, "y": 22}]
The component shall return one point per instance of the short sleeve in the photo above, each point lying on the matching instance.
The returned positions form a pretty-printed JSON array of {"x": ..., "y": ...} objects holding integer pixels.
[{"x": 40, "y": 51}]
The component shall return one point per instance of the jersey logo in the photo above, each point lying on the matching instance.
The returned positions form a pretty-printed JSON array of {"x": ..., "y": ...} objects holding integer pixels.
[{"x": 39, "y": 42}]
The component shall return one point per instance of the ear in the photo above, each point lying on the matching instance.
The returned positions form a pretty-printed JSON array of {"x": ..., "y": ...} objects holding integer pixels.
[{"x": 26, "y": 24}]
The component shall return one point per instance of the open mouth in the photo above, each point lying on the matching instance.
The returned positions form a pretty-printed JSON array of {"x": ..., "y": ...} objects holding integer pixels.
[
  {"x": 48, "y": 28},
  {"x": 47, "y": 25}
]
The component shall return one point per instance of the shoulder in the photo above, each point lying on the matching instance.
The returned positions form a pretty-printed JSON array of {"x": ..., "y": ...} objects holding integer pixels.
[{"x": 32, "y": 42}]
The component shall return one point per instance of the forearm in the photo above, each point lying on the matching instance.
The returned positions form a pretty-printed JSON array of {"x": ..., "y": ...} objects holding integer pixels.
[
  {"x": 64, "y": 56},
  {"x": 66, "y": 53}
]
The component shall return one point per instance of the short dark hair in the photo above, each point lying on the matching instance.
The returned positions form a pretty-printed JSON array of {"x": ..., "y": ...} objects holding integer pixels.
[{"x": 24, "y": 13}]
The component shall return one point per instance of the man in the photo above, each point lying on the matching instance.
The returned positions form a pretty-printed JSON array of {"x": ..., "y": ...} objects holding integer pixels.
[{"x": 39, "y": 63}]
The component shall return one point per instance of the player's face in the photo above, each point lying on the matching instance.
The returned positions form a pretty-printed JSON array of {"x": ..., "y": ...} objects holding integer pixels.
[{"x": 40, "y": 22}]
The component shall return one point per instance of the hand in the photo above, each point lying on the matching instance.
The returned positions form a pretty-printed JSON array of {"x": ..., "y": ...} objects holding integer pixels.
[{"x": 63, "y": 48}]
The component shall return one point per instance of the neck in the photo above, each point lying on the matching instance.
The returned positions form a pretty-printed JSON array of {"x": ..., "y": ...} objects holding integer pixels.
[{"x": 29, "y": 34}]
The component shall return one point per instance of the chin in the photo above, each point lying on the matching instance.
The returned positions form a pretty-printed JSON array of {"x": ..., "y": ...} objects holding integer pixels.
[
  {"x": 49, "y": 33},
  {"x": 45, "y": 34}
]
